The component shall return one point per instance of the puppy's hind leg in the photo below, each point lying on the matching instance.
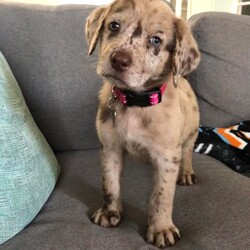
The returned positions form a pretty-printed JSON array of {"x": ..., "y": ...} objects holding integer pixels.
[
  {"x": 186, "y": 174},
  {"x": 109, "y": 215}
]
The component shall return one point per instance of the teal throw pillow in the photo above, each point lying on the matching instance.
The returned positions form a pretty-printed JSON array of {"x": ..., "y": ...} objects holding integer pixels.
[{"x": 28, "y": 167}]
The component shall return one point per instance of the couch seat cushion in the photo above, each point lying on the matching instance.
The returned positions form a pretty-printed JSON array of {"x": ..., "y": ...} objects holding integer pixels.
[{"x": 213, "y": 214}]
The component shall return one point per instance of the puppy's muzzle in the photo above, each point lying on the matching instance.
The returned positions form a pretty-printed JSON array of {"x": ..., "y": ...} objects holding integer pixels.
[{"x": 120, "y": 60}]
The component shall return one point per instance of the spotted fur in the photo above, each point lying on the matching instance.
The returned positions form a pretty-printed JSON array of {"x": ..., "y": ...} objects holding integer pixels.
[{"x": 163, "y": 134}]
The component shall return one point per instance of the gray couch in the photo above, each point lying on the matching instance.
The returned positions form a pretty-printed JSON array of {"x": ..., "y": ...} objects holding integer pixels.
[{"x": 47, "y": 51}]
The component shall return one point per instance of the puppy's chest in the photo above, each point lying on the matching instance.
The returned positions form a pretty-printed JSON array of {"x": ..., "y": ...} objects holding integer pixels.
[
  {"x": 134, "y": 133},
  {"x": 129, "y": 126}
]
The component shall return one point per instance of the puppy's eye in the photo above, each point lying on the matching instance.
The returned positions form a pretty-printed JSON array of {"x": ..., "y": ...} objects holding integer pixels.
[
  {"x": 155, "y": 41},
  {"x": 114, "y": 26}
]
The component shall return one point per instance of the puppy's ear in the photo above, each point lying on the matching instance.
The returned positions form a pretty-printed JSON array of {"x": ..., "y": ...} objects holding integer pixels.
[
  {"x": 186, "y": 55},
  {"x": 93, "y": 27}
]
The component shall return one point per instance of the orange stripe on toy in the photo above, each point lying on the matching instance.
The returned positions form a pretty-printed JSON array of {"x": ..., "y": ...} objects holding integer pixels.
[{"x": 234, "y": 142}]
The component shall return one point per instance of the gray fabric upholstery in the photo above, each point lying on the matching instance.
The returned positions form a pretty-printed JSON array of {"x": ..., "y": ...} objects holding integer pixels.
[
  {"x": 222, "y": 80},
  {"x": 213, "y": 214},
  {"x": 46, "y": 49},
  {"x": 47, "y": 52}
]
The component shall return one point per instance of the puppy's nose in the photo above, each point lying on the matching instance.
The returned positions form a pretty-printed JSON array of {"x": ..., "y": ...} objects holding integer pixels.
[{"x": 120, "y": 60}]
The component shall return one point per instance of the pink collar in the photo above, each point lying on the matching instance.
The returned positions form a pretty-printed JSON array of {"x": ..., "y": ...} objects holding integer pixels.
[{"x": 142, "y": 99}]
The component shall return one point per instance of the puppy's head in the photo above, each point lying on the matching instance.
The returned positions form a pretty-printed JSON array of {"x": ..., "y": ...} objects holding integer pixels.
[{"x": 142, "y": 43}]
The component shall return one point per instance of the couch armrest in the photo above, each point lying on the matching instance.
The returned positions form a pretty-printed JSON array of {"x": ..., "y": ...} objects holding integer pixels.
[{"x": 222, "y": 80}]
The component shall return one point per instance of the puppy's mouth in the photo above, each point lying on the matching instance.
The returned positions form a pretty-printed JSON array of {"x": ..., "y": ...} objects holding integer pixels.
[
  {"x": 120, "y": 82},
  {"x": 115, "y": 80}
]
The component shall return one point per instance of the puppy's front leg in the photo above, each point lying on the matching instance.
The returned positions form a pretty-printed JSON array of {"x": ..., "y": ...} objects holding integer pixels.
[
  {"x": 109, "y": 215},
  {"x": 161, "y": 230}
]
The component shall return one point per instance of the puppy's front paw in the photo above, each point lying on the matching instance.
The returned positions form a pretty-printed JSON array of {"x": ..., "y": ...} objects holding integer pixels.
[
  {"x": 187, "y": 179},
  {"x": 163, "y": 238},
  {"x": 105, "y": 218}
]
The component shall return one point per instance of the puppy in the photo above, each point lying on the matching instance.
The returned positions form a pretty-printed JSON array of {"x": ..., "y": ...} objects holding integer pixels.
[{"x": 147, "y": 109}]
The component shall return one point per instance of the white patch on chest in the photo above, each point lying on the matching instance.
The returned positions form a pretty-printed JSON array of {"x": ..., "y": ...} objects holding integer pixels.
[
  {"x": 128, "y": 125},
  {"x": 133, "y": 135}
]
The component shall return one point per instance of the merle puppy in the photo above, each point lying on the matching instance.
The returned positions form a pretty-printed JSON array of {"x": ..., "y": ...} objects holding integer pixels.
[{"x": 147, "y": 109}]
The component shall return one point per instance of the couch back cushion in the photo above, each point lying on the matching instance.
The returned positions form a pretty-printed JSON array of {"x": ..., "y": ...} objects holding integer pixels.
[
  {"x": 47, "y": 51},
  {"x": 222, "y": 80}
]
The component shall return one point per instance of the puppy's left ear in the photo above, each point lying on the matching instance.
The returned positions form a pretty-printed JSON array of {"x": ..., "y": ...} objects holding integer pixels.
[
  {"x": 186, "y": 55},
  {"x": 93, "y": 27}
]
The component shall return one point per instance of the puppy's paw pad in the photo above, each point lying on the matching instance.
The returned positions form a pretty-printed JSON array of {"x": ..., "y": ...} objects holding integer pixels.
[
  {"x": 105, "y": 218},
  {"x": 164, "y": 238},
  {"x": 187, "y": 179}
]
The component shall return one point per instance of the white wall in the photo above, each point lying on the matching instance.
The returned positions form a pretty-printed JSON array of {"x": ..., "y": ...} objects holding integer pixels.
[
  {"x": 55, "y": 2},
  {"x": 194, "y": 6},
  {"x": 225, "y": 5},
  {"x": 197, "y": 6},
  {"x": 94, "y": 2}
]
